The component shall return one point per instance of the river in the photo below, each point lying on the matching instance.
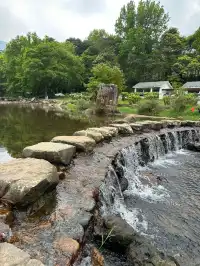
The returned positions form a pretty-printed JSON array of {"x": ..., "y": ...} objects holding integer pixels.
[{"x": 25, "y": 126}]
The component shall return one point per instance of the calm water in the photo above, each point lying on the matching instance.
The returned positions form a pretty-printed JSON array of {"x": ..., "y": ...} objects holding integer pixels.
[{"x": 24, "y": 126}]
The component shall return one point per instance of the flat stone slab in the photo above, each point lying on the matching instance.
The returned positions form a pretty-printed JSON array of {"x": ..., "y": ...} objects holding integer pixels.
[
  {"x": 136, "y": 127},
  {"x": 23, "y": 181},
  {"x": 52, "y": 152},
  {"x": 97, "y": 136},
  {"x": 81, "y": 143},
  {"x": 13, "y": 256},
  {"x": 107, "y": 134},
  {"x": 123, "y": 128},
  {"x": 113, "y": 130}
]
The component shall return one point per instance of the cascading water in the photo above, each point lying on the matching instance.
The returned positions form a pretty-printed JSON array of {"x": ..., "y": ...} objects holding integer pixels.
[{"x": 131, "y": 188}]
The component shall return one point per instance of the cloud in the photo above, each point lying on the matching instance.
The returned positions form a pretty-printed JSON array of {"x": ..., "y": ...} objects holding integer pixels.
[
  {"x": 62, "y": 19},
  {"x": 184, "y": 14},
  {"x": 85, "y": 7},
  {"x": 10, "y": 25}
]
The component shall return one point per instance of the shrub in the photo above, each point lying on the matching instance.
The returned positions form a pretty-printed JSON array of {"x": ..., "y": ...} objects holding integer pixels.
[
  {"x": 82, "y": 104},
  {"x": 191, "y": 99},
  {"x": 178, "y": 103},
  {"x": 166, "y": 100},
  {"x": 149, "y": 107},
  {"x": 151, "y": 95},
  {"x": 133, "y": 98}
]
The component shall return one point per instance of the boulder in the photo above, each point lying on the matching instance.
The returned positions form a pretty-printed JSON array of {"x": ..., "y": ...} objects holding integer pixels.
[
  {"x": 52, "y": 152},
  {"x": 81, "y": 143},
  {"x": 68, "y": 246},
  {"x": 23, "y": 181},
  {"x": 122, "y": 234},
  {"x": 124, "y": 129},
  {"x": 97, "y": 136},
  {"x": 13, "y": 256}
]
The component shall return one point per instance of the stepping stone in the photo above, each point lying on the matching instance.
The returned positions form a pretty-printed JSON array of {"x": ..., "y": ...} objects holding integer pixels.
[
  {"x": 107, "y": 134},
  {"x": 97, "y": 136},
  {"x": 23, "y": 181},
  {"x": 52, "y": 152},
  {"x": 81, "y": 143},
  {"x": 124, "y": 129}
]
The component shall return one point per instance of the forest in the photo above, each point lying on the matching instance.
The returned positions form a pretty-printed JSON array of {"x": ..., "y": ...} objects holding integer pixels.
[{"x": 143, "y": 48}]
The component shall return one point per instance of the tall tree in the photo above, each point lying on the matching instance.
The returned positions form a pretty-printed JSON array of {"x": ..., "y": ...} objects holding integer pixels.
[{"x": 140, "y": 29}]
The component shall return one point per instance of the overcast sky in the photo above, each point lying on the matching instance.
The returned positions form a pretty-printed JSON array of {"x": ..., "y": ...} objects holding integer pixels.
[{"x": 76, "y": 18}]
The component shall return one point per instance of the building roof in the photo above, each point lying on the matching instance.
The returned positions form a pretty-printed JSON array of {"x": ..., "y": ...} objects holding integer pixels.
[
  {"x": 192, "y": 85},
  {"x": 154, "y": 84}
]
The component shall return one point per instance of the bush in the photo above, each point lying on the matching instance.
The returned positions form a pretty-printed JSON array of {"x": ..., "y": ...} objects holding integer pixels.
[
  {"x": 133, "y": 98},
  {"x": 149, "y": 107},
  {"x": 82, "y": 104},
  {"x": 191, "y": 99},
  {"x": 166, "y": 100},
  {"x": 178, "y": 103},
  {"x": 151, "y": 95}
]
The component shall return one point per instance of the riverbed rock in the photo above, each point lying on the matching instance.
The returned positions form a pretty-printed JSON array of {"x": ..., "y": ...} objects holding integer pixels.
[
  {"x": 137, "y": 127},
  {"x": 124, "y": 129},
  {"x": 97, "y": 258},
  {"x": 53, "y": 152},
  {"x": 141, "y": 253},
  {"x": 81, "y": 143},
  {"x": 97, "y": 136},
  {"x": 68, "y": 246},
  {"x": 13, "y": 256},
  {"x": 193, "y": 147},
  {"x": 23, "y": 181},
  {"x": 188, "y": 123},
  {"x": 5, "y": 232}
]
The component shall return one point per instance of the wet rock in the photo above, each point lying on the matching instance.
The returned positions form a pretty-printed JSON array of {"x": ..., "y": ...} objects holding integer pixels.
[
  {"x": 23, "y": 181},
  {"x": 122, "y": 234},
  {"x": 188, "y": 123},
  {"x": 97, "y": 136},
  {"x": 124, "y": 129},
  {"x": 193, "y": 147},
  {"x": 143, "y": 253},
  {"x": 5, "y": 232},
  {"x": 97, "y": 258},
  {"x": 68, "y": 246},
  {"x": 137, "y": 127},
  {"x": 61, "y": 175},
  {"x": 123, "y": 183},
  {"x": 52, "y": 152},
  {"x": 11, "y": 255},
  {"x": 6, "y": 215},
  {"x": 81, "y": 143}
]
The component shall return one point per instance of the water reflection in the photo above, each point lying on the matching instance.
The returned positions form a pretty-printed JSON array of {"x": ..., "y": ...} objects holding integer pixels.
[
  {"x": 23, "y": 126},
  {"x": 4, "y": 155}
]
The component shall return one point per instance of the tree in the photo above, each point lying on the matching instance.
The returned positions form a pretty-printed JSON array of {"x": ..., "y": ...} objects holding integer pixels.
[
  {"x": 2, "y": 74},
  {"x": 104, "y": 73},
  {"x": 140, "y": 30}
]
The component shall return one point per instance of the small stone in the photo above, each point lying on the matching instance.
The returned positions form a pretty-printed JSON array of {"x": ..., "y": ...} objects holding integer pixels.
[
  {"x": 61, "y": 175},
  {"x": 97, "y": 258},
  {"x": 81, "y": 143},
  {"x": 67, "y": 245},
  {"x": 52, "y": 152}
]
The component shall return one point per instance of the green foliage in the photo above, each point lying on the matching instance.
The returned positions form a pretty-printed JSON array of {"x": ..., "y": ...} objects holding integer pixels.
[
  {"x": 166, "y": 100},
  {"x": 178, "y": 103},
  {"x": 133, "y": 98},
  {"x": 151, "y": 95},
  {"x": 149, "y": 107},
  {"x": 191, "y": 99},
  {"x": 104, "y": 73}
]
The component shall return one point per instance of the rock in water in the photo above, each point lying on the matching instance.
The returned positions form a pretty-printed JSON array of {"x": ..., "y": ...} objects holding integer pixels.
[
  {"x": 23, "y": 181},
  {"x": 81, "y": 143},
  {"x": 13, "y": 256},
  {"x": 52, "y": 152},
  {"x": 97, "y": 258}
]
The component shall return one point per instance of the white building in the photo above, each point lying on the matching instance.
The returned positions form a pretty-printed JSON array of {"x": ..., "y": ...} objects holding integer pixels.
[
  {"x": 192, "y": 86},
  {"x": 164, "y": 88}
]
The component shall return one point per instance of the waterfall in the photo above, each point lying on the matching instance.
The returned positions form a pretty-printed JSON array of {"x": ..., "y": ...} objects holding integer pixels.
[{"x": 126, "y": 168}]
